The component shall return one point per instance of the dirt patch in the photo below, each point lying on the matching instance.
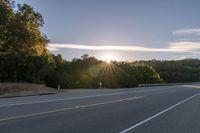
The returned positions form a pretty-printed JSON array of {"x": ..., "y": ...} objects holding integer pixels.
[{"x": 23, "y": 89}]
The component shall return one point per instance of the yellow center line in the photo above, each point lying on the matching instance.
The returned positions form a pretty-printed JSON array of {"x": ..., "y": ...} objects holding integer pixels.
[{"x": 71, "y": 108}]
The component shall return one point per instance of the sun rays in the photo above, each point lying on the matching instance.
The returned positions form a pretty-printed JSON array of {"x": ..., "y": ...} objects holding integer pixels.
[
  {"x": 108, "y": 57},
  {"x": 108, "y": 72}
]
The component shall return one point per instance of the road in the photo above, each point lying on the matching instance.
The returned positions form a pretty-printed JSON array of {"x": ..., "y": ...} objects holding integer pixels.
[{"x": 161, "y": 109}]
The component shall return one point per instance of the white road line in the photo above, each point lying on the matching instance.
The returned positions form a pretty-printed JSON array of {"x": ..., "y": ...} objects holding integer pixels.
[
  {"x": 72, "y": 108},
  {"x": 76, "y": 98},
  {"x": 160, "y": 113},
  {"x": 63, "y": 99}
]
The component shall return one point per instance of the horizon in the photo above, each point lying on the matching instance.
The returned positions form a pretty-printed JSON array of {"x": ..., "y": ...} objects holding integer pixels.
[{"x": 122, "y": 31}]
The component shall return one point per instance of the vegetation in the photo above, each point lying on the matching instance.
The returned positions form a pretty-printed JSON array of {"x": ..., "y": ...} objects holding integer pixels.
[
  {"x": 25, "y": 58},
  {"x": 20, "y": 30},
  {"x": 88, "y": 72},
  {"x": 24, "y": 89},
  {"x": 186, "y": 70}
]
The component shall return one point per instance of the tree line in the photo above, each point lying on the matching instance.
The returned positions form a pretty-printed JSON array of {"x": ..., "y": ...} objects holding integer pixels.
[
  {"x": 24, "y": 58},
  {"x": 185, "y": 70}
]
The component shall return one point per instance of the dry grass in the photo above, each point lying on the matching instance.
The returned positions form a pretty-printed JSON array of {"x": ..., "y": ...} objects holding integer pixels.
[{"x": 22, "y": 89}]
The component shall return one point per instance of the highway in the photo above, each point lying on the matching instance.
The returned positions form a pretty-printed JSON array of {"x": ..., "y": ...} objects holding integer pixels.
[{"x": 160, "y": 109}]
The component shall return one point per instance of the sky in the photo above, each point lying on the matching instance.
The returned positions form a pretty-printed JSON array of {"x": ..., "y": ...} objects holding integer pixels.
[{"x": 121, "y": 29}]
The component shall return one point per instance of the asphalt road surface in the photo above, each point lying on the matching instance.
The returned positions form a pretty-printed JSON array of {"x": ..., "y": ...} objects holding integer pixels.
[{"x": 161, "y": 109}]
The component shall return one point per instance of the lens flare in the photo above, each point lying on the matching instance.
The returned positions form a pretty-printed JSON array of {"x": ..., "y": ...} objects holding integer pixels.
[
  {"x": 108, "y": 57},
  {"x": 108, "y": 61}
]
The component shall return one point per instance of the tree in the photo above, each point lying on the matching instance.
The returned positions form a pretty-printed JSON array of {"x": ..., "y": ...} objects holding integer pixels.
[
  {"x": 24, "y": 68},
  {"x": 23, "y": 53},
  {"x": 145, "y": 74},
  {"x": 187, "y": 70},
  {"x": 20, "y": 30},
  {"x": 6, "y": 15}
]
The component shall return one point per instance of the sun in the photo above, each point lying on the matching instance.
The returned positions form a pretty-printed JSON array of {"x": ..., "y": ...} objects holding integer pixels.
[
  {"x": 108, "y": 57},
  {"x": 108, "y": 61}
]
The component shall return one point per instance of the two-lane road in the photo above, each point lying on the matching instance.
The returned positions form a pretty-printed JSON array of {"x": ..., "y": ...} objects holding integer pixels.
[{"x": 165, "y": 109}]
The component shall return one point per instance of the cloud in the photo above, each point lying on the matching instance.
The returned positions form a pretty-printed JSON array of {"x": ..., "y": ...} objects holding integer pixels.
[
  {"x": 184, "y": 46},
  {"x": 193, "y": 31},
  {"x": 52, "y": 49},
  {"x": 105, "y": 47}
]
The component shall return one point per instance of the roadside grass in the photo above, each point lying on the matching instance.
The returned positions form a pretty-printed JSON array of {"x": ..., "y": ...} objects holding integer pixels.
[{"x": 23, "y": 89}]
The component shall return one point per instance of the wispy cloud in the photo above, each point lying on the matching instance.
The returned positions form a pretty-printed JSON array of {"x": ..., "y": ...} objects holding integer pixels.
[
  {"x": 184, "y": 46},
  {"x": 192, "y": 31},
  {"x": 103, "y": 47},
  {"x": 52, "y": 48}
]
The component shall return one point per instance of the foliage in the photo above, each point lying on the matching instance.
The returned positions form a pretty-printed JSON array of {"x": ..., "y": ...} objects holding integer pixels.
[
  {"x": 88, "y": 72},
  {"x": 23, "y": 68},
  {"x": 20, "y": 30},
  {"x": 187, "y": 70}
]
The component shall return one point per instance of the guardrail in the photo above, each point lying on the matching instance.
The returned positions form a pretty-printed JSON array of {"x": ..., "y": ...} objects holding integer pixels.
[{"x": 164, "y": 84}]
